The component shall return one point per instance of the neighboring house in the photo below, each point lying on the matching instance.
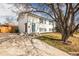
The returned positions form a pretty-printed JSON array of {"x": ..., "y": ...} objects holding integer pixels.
[
  {"x": 7, "y": 28},
  {"x": 33, "y": 23}
]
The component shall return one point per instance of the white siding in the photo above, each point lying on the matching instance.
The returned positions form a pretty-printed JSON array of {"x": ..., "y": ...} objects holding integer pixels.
[
  {"x": 21, "y": 24},
  {"x": 46, "y": 26},
  {"x": 32, "y": 19}
]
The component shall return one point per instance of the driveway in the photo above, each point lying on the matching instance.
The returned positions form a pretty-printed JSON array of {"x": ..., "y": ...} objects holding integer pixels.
[{"x": 13, "y": 45}]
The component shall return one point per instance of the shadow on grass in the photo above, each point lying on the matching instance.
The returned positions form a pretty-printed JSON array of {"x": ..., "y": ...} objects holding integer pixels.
[
  {"x": 75, "y": 37},
  {"x": 48, "y": 38}
]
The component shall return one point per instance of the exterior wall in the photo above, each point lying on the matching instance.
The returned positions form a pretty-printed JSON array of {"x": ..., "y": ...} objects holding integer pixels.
[
  {"x": 46, "y": 26},
  {"x": 29, "y": 19},
  {"x": 54, "y": 26},
  {"x": 32, "y": 20},
  {"x": 7, "y": 29},
  {"x": 21, "y": 24}
]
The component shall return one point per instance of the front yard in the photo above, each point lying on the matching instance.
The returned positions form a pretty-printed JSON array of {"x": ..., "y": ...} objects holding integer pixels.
[
  {"x": 54, "y": 39},
  {"x": 12, "y": 44}
]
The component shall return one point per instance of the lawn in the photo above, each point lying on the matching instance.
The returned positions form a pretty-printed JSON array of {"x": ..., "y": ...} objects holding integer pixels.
[{"x": 54, "y": 39}]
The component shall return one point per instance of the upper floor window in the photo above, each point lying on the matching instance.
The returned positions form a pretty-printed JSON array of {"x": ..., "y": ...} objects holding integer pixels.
[
  {"x": 50, "y": 23},
  {"x": 45, "y": 29},
  {"x": 44, "y": 21},
  {"x": 41, "y": 20}
]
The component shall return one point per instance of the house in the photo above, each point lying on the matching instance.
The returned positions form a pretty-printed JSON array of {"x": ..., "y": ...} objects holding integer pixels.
[
  {"x": 33, "y": 23},
  {"x": 7, "y": 28}
]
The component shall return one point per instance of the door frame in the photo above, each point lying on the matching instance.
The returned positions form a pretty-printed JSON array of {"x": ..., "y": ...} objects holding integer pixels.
[
  {"x": 33, "y": 27},
  {"x": 25, "y": 27}
]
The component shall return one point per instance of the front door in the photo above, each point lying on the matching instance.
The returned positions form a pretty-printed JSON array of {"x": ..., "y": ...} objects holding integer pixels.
[
  {"x": 33, "y": 27},
  {"x": 25, "y": 27}
]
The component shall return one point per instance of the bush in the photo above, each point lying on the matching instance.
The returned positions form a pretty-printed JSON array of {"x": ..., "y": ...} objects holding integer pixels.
[{"x": 16, "y": 30}]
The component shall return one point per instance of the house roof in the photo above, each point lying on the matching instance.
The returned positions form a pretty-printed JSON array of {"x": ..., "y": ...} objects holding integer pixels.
[
  {"x": 6, "y": 25},
  {"x": 39, "y": 16}
]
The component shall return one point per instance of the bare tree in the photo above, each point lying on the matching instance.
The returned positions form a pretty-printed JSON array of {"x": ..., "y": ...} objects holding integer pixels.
[
  {"x": 63, "y": 14},
  {"x": 9, "y": 20},
  {"x": 66, "y": 20},
  {"x": 20, "y": 8}
]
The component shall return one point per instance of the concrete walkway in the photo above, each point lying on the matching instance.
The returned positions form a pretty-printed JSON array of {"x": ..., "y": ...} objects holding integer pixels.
[
  {"x": 76, "y": 35},
  {"x": 14, "y": 45},
  {"x": 51, "y": 51}
]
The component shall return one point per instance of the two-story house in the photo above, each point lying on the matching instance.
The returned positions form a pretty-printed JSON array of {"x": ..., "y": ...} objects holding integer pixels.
[{"x": 33, "y": 23}]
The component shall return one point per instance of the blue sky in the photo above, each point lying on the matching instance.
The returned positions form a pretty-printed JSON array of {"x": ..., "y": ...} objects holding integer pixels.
[
  {"x": 5, "y": 10},
  {"x": 36, "y": 5}
]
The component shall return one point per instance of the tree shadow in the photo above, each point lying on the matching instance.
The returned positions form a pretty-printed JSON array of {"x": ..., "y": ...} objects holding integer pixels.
[
  {"x": 49, "y": 38},
  {"x": 75, "y": 37}
]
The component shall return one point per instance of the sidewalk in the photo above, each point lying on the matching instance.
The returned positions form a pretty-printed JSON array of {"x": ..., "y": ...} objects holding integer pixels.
[
  {"x": 15, "y": 45},
  {"x": 51, "y": 51}
]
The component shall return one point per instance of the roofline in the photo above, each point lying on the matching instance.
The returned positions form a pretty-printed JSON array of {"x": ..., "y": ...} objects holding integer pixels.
[{"x": 38, "y": 16}]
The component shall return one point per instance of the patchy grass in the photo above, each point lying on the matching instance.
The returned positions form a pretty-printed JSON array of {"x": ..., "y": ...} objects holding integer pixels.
[
  {"x": 54, "y": 39},
  {"x": 77, "y": 33}
]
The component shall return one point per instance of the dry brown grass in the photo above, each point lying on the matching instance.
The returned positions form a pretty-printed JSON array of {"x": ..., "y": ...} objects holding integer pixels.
[{"x": 54, "y": 39}]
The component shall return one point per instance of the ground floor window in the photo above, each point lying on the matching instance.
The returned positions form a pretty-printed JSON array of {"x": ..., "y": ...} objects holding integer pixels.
[
  {"x": 42, "y": 29},
  {"x": 50, "y": 29}
]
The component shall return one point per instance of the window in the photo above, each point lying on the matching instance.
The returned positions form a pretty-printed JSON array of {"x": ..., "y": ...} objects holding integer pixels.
[
  {"x": 50, "y": 29},
  {"x": 45, "y": 30},
  {"x": 41, "y": 20},
  {"x": 50, "y": 23},
  {"x": 44, "y": 21},
  {"x": 40, "y": 29}
]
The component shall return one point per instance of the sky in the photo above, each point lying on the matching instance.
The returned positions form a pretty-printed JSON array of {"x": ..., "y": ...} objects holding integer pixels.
[
  {"x": 36, "y": 5},
  {"x": 6, "y": 10}
]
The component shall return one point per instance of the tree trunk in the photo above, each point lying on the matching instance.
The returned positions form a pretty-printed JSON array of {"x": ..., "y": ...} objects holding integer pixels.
[{"x": 65, "y": 36}]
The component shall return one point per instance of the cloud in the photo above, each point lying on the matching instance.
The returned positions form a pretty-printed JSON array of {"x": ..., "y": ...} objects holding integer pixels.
[{"x": 5, "y": 10}]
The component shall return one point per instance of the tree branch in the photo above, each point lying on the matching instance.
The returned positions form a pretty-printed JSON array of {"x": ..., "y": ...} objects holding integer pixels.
[
  {"x": 77, "y": 26},
  {"x": 76, "y": 10},
  {"x": 37, "y": 11},
  {"x": 76, "y": 6}
]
